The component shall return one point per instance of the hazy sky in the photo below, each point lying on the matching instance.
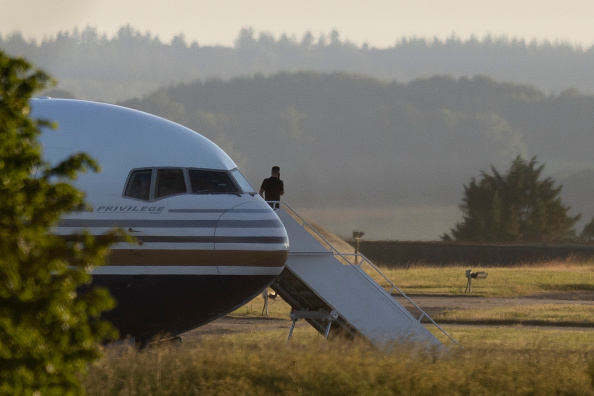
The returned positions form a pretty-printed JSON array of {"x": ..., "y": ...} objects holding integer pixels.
[{"x": 379, "y": 23}]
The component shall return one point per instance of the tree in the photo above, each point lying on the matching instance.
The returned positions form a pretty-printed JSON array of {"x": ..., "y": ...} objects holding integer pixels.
[
  {"x": 587, "y": 233},
  {"x": 49, "y": 326},
  {"x": 517, "y": 206}
]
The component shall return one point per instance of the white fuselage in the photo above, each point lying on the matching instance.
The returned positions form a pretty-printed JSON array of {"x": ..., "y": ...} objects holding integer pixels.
[{"x": 206, "y": 242}]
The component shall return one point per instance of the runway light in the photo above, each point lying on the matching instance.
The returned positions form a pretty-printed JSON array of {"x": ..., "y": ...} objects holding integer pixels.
[{"x": 356, "y": 236}]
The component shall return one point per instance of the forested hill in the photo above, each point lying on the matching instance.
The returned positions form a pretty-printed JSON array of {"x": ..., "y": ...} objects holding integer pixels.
[
  {"x": 383, "y": 151},
  {"x": 93, "y": 66},
  {"x": 382, "y": 132}
]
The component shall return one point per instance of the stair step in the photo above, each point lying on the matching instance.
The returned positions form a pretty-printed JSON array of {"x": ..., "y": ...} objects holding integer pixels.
[{"x": 316, "y": 283}]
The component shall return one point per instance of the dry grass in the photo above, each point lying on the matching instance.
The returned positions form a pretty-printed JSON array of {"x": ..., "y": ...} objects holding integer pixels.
[
  {"x": 250, "y": 366},
  {"x": 541, "y": 314},
  {"x": 277, "y": 308},
  {"x": 495, "y": 360},
  {"x": 500, "y": 282},
  {"x": 519, "y": 338}
]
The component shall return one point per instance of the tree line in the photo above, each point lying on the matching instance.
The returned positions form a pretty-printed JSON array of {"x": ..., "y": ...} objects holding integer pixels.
[
  {"x": 93, "y": 66},
  {"x": 402, "y": 142}
]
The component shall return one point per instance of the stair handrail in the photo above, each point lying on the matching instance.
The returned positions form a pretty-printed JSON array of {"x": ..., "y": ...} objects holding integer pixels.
[
  {"x": 364, "y": 259},
  {"x": 358, "y": 266},
  {"x": 305, "y": 223}
]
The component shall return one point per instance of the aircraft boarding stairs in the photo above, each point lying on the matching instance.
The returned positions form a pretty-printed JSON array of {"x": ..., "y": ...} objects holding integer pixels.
[{"x": 337, "y": 297}]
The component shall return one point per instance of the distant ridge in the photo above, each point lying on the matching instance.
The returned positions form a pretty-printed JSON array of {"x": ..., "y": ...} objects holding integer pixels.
[
  {"x": 385, "y": 157},
  {"x": 392, "y": 134},
  {"x": 130, "y": 64}
]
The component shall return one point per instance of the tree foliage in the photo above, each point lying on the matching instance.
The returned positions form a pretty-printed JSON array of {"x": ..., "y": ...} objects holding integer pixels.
[
  {"x": 518, "y": 206},
  {"x": 49, "y": 326},
  {"x": 587, "y": 233},
  {"x": 94, "y": 66},
  {"x": 404, "y": 144},
  {"x": 407, "y": 142}
]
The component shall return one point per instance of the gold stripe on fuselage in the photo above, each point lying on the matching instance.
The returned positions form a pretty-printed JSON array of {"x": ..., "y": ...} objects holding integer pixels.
[{"x": 242, "y": 258}]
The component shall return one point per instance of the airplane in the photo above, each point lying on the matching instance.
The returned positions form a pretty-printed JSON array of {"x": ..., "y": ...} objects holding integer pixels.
[{"x": 207, "y": 243}]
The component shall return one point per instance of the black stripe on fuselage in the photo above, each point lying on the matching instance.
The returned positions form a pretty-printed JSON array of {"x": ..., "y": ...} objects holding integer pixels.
[
  {"x": 135, "y": 210},
  {"x": 219, "y": 210},
  {"x": 214, "y": 239},
  {"x": 89, "y": 223},
  {"x": 201, "y": 239}
]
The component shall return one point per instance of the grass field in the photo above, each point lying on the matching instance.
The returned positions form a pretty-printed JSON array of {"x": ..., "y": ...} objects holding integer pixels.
[
  {"x": 541, "y": 314},
  {"x": 494, "y": 360},
  {"x": 493, "y": 363},
  {"x": 500, "y": 282}
]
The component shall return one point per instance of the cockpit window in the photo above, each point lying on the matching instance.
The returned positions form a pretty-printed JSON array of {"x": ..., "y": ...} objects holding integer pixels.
[
  {"x": 139, "y": 184},
  {"x": 207, "y": 181},
  {"x": 156, "y": 183},
  {"x": 170, "y": 182},
  {"x": 243, "y": 183}
]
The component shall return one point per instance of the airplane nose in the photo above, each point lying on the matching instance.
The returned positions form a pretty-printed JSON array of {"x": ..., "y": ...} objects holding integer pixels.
[{"x": 256, "y": 228}]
